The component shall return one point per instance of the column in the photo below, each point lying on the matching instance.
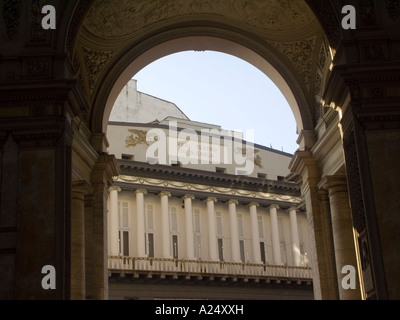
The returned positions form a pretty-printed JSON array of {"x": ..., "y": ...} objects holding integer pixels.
[
  {"x": 212, "y": 234},
  {"x": 78, "y": 282},
  {"x": 319, "y": 225},
  {"x": 113, "y": 216},
  {"x": 189, "y": 226},
  {"x": 166, "y": 250},
  {"x": 276, "y": 244},
  {"x": 295, "y": 236},
  {"x": 234, "y": 230},
  {"x": 343, "y": 236},
  {"x": 141, "y": 245},
  {"x": 255, "y": 236}
]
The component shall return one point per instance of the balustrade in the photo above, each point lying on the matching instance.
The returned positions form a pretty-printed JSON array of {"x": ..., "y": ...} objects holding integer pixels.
[{"x": 200, "y": 267}]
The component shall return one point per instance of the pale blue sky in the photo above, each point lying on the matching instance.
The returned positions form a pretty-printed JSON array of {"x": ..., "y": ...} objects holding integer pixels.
[{"x": 221, "y": 89}]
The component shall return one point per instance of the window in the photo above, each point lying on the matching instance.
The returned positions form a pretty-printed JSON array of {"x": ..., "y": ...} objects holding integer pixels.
[
  {"x": 242, "y": 251},
  {"x": 173, "y": 219},
  {"x": 175, "y": 246},
  {"x": 240, "y": 225},
  {"x": 219, "y": 223},
  {"x": 260, "y": 227},
  {"x": 197, "y": 246},
  {"x": 123, "y": 223},
  {"x": 124, "y": 243},
  {"x": 196, "y": 221},
  {"x": 263, "y": 253},
  {"x": 148, "y": 222},
  {"x": 262, "y": 175},
  {"x": 149, "y": 244},
  {"x": 220, "y": 170},
  {"x": 123, "y": 214},
  {"x": 127, "y": 156},
  {"x": 221, "y": 249},
  {"x": 283, "y": 252},
  {"x": 197, "y": 233},
  {"x": 280, "y": 178}
]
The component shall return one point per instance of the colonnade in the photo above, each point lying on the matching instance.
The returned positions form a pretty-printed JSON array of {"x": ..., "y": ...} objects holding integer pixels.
[{"x": 212, "y": 235}]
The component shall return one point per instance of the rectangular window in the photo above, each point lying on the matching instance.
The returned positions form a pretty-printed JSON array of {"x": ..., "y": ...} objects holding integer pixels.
[
  {"x": 127, "y": 156},
  {"x": 242, "y": 251},
  {"x": 196, "y": 221},
  {"x": 303, "y": 255},
  {"x": 260, "y": 227},
  {"x": 125, "y": 243},
  {"x": 219, "y": 223},
  {"x": 197, "y": 246},
  {"x": 149, "y": 217},
  {"x": 240, "y": 225},
  {"x": 283, "y": 252},
  {"x": 150, "y": 245},
  {"x": 173, "y": 219},
  {"x": 280, "y": 228},
  {"x": 262, "y": 251},
  {"x": 175, "y": 246},
  {"x": 123, "y": 214},
  {"x": 220, "y": 249}
]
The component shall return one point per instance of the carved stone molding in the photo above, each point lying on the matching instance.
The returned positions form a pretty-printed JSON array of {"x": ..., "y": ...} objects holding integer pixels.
[
  {"x": 95, "y": 62},
  {"x": 111, "y": 18},
  {"x": 300, "y": 55}
]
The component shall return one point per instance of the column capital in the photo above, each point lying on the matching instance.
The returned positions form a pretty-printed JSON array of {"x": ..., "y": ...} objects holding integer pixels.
[
  {"x": 112, "y": 188},
  {"x": 334, "y": 183},
  {"x": 253, "y": 203},
  {"x": 164, "y": 193},
  {"x": 213, "y": 199},
  {"x": 188, "y": 196},
  {"x": 292, "y": 209},
  {"x": 144, "y": 191},
  {"x": 81, "y": 187},
  {"x": 233, "y": 201},
  {"x": 273, "y": 206}
]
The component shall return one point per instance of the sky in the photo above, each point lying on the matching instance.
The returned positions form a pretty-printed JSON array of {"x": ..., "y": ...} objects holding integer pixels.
[{"x": 221, "y": 89}]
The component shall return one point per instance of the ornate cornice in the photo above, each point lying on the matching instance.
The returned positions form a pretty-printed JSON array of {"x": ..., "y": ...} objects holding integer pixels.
[
  {"x": 186, "y": 187},
  {"x": 201, "y": 177}
]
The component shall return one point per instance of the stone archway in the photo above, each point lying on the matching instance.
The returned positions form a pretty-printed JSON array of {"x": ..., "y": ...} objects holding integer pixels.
[
  {"x": 58, "y": 87},
  {"x": 107, "y": 54}
]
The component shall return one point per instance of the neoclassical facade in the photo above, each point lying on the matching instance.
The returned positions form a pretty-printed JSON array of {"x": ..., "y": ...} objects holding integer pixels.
[
  {"x": 199, "y": 220},
  {"x": 58, "y": 87}
]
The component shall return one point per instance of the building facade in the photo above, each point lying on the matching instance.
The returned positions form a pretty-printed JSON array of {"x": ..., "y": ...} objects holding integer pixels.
[{"x": 202, "y": 216}]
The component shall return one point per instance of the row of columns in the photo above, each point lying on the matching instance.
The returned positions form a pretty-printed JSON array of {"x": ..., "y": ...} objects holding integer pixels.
[{"x": 213, "y": 252}]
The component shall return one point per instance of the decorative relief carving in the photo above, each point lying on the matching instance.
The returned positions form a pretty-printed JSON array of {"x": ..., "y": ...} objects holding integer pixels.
[
  {"x": 38, "y": 34},
  {"x": 95, "y": 61},
  {"x": 221, "y": 190},
  {"x": 111, "y": 18},
  {"x": 11, "y": 16},
  {"x": 137, "y": 137},
  {"x": 300, "y": 55},
  {"x": 330, "y": 22},
  {"x": 393, "y": 8},
  {"x": 38, "y": 68}
]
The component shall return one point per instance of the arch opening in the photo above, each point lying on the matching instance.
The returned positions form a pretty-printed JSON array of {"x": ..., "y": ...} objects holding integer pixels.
[{"x": 204, "y": 43}]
